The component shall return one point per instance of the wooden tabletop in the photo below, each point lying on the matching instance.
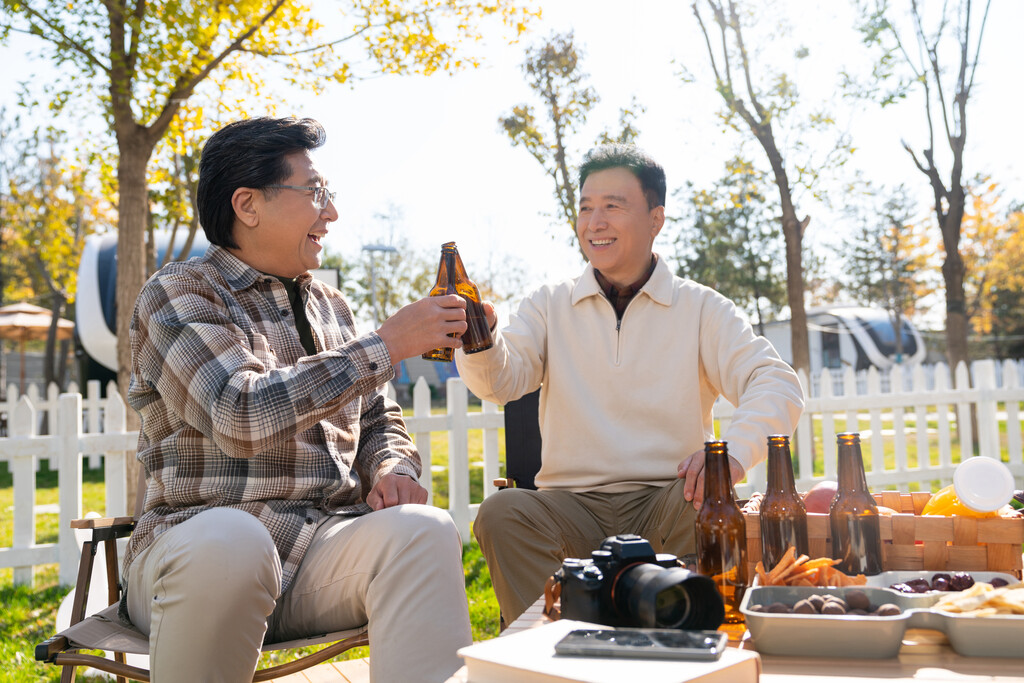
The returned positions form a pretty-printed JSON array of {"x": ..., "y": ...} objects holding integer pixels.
[{"x": 925, "y": 657}]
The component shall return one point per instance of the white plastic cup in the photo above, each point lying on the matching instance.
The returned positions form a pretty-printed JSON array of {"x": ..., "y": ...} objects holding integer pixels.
[{"x": 983, "y": 484}]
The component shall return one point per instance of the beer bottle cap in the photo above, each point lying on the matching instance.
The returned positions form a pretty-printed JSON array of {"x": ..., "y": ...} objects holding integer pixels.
[{"x": 983, "y": 484}]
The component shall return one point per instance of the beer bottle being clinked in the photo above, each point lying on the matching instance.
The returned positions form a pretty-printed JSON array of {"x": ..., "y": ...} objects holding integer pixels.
[{"x": 452, "y": 279}]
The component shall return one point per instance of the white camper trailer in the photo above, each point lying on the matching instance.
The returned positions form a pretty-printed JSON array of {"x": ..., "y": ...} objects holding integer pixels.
[{"x": 850, "y": 336}]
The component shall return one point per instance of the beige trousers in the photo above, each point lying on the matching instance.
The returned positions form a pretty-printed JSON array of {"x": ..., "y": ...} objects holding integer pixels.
[
  {"x": 525, "y": 535},
  {"x": 206, "y": 590}
]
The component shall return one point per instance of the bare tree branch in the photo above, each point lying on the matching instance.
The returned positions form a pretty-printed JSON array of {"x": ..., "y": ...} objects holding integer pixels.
[
  {"x": 707, "y": 41},
  {"x": 981, "y": 35},
  {"x": 314, "y": 48},
  {"x": 734, "y": 21}
]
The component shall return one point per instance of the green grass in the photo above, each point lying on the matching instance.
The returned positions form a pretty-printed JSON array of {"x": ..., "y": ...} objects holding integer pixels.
[{"x": 27, "y": 617}]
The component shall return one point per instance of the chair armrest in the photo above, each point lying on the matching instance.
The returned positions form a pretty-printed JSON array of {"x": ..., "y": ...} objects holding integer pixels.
[
  {"x": 104, "y": 528},
  {"x": 99, "y": 522},
  {"x": 48, "y": 650},
  {"x": 504, "y": 483}
]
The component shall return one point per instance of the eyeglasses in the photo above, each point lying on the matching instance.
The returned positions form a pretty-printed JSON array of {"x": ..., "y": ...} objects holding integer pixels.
[{"x": 320, "y": 194}]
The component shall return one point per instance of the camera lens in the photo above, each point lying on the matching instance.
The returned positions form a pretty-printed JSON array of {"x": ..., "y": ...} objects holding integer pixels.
[
  {"x": 657, "y": 597},
  {"x": 671, "y": 606}
]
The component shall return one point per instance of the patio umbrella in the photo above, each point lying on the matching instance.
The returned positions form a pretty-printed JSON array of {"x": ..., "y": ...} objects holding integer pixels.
[{"x": 25, "y": 322}]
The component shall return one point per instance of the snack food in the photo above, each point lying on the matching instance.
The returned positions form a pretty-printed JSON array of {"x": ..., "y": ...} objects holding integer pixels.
[
  {"x": 957, "y": 581},
  {"x": 753, "y": 505},
  {"x": 855, "y": 603},
  {"x": 803, "y": 571},
  {"x": 985, "y": 600}
]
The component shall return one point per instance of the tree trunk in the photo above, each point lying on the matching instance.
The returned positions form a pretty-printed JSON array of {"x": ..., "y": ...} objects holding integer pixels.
[
  {"x": 897, "y": 329},
  {"x": 956, "y": 299},
  {"x": 793, "y": 231},
  {"x": 50, "y": 360},
  {"x": 131, "y": 263}
]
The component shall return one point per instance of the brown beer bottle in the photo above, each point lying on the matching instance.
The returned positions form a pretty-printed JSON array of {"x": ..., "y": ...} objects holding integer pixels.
[
  {"x": 452, "y": 279},
  {"x": 853, "y": 517},
  {"x": 783, "y": 515},
  {"x": 721, "y": 532}
]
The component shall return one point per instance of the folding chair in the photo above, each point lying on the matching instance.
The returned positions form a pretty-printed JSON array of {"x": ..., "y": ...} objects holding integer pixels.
[
  {"x": 105, "y": 631},
  {"x": 522, "y": 442}
]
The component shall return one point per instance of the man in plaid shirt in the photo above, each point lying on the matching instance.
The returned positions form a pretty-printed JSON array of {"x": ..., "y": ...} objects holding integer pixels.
[{"x": 282, "y": 497}]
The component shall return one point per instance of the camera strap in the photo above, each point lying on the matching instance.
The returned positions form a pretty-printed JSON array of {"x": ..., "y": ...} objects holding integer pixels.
[{"x": 552, "y": 601}]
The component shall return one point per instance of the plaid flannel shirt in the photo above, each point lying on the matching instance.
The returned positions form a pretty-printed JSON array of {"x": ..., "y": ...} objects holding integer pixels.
[{"x": 234, "y": 414}]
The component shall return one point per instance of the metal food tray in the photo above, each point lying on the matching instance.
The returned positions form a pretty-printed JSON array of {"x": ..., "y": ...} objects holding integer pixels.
[{"x": 872, "y": 637}]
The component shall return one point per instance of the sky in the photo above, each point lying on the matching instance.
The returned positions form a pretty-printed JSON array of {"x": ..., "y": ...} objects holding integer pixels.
[{"x": 432, "y": 147}]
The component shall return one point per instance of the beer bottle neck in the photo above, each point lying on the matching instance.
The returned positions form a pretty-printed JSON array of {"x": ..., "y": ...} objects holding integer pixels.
[
  {"x": 780, "y": 466},
  {"x": 448, "y": 264},
  {"x": 445, "y": 271},
  {"x": 851, "y": 466},
  {"x": 717, "y": 477},
  {"x": 458, "y": 269}
]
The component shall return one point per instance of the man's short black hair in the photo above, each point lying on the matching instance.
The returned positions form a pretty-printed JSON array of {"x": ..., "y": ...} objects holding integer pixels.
[
  {"x": 247, "y": 153},
  {"x": 616, "y": 155}
]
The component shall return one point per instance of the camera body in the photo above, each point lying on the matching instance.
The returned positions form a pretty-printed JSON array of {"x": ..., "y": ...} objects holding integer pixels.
[{"x": 625, "y": 583}]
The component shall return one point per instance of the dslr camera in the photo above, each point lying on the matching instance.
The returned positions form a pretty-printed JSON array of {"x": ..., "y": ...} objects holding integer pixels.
[{"x": 624, "y": 583}]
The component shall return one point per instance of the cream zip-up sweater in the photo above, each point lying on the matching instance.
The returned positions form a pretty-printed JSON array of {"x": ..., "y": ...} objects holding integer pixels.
[{"x": 623, "y": 403}]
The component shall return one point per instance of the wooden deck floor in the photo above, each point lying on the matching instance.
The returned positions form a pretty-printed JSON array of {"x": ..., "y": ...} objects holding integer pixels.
[{"x": 351, "y": 671}]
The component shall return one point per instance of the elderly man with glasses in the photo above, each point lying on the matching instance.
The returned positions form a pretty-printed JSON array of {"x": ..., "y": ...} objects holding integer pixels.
[{"x": 282, "y": 496}]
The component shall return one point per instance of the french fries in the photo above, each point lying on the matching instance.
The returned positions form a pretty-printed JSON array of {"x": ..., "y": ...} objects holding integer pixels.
[{"x": 803, "y": 571}]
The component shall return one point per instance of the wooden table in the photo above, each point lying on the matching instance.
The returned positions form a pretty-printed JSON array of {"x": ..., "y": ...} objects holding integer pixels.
[{"x": 925, "y": 657}]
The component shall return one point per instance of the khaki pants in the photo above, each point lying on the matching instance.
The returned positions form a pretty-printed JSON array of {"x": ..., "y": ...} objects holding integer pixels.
[
  {"x": 205, "y": 590},
  {"x": 525, "y": 535}
]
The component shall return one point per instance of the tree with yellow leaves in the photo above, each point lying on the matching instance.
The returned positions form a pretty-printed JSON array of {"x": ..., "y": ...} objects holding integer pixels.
[
  {"x": 139, "y": 62},
  {"x": 48, "y": 211},
  {"x": 554, "y": 71},
  {"x": 992, "y": 245}
]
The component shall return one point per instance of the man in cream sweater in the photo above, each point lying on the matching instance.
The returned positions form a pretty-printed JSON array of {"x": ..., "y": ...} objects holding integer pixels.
[{"x": 630, "y": 360}]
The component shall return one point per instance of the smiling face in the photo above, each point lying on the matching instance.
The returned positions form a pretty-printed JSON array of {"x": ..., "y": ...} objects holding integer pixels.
[
  {"x": 615, "y": 226},
  {"x": 279, "y": 231}
]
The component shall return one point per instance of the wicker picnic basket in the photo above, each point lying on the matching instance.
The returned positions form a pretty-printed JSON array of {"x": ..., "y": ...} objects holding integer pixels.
[{"x": 911, "y": 541}]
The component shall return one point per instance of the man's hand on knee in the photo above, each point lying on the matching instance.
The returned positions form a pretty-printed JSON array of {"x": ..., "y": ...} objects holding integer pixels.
[{"x": 395, "y": 489}]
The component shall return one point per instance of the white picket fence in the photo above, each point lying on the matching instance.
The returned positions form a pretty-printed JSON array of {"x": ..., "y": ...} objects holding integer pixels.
[
  {"x": 928, "y": 397},
  {"x": 66, "y": 448},
  {"x": 47, "y": 406}
]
